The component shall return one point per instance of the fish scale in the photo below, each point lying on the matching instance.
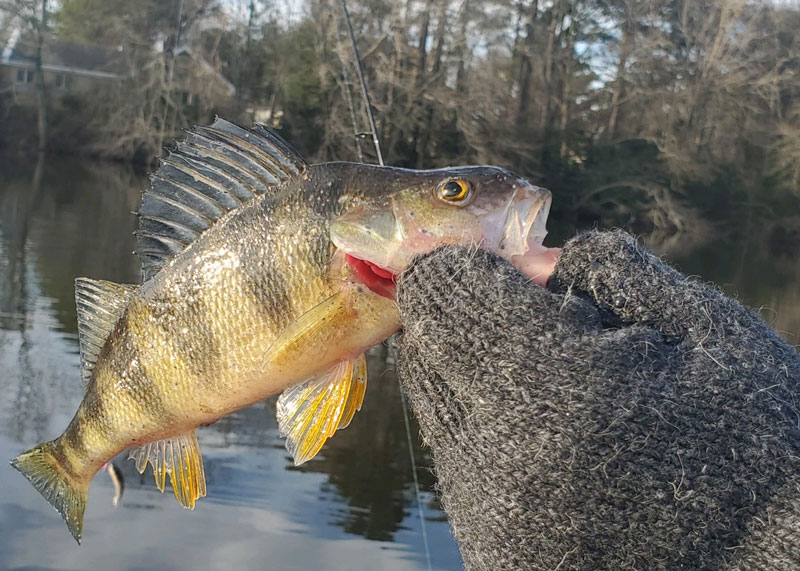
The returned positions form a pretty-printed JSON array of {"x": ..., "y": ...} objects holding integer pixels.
[{"x": 262, "y": 274}]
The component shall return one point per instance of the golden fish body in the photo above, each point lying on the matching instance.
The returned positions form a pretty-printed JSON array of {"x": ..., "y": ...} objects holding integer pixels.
[{"x": 262, "y": 274}]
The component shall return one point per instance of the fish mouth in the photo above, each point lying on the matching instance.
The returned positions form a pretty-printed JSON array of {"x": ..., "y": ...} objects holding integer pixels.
[
  {"x": 525, "y": 221},
  {"x": 377, "y": 279}
]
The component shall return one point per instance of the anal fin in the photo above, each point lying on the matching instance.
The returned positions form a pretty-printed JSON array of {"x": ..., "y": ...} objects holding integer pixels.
[
  {"x": 309, "y": 413},
  {"x": 180, "y": 458}
]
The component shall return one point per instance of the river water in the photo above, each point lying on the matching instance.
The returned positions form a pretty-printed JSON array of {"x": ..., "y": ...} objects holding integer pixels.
[{"x": 352, "y": 507}]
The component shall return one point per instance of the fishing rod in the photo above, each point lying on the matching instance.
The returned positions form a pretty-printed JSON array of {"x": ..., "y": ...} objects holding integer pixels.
[
  {"x": 364, "y": 91},
  {"x": 351, "y": 106},
  {"x": 376, "y": 141}
]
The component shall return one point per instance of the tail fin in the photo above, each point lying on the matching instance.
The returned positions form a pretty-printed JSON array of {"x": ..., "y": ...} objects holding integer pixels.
[{"x": 42, "y": 467}]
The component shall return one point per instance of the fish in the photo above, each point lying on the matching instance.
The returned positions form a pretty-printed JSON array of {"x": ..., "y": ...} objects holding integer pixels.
[{"x": 262, "y": 274}]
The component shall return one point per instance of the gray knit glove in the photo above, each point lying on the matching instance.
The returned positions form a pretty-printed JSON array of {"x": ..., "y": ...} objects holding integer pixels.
[{"x": 629, "y": 418}]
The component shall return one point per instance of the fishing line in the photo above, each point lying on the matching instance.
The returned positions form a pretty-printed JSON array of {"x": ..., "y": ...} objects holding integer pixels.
[
  {"x": 376, "y": 141},
  {"x": 423, "y": 529}
]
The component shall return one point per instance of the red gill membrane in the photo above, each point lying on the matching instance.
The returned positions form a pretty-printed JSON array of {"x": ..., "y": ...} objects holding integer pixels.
[{"x": 377, "y": 279}]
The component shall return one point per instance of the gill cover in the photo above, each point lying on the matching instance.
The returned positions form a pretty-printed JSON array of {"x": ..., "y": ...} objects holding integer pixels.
[{"x": 372, "y": 232}]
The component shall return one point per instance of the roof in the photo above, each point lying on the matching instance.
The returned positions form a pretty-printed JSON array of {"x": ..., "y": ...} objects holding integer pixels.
[{"x": 64, "y": 56}]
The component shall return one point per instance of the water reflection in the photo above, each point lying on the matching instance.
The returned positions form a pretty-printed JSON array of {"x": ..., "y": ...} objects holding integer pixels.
[
  {"x": 353, "y": 506},
  {"x": 753, "y": 259},
  {"x": 368, "y": 467}
]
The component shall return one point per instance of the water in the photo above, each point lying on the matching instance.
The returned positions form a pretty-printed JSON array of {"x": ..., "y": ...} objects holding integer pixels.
[{"x": 351, "y": 507}]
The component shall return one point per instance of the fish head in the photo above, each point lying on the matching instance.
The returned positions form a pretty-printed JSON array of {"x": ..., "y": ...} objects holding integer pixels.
[{"x": 487, "y": 207}]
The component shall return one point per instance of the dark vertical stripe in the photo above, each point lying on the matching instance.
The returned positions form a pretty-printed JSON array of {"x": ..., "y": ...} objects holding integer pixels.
[
  {"x": 62, "y": 457},
  {"x": 269, "y": 292},
  {"x": 264, "y": 278},
  {"x": 133, "y": 379},
  {"x": 74, "y": 439},
  {"x": 188, "y": 326}
]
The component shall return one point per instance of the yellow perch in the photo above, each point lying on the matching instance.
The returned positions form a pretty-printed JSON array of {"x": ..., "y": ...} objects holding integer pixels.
[{"x": 262, "y": 274}]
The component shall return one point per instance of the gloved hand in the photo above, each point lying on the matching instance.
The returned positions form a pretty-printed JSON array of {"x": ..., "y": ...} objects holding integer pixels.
[{"x": 624, "y": 418}]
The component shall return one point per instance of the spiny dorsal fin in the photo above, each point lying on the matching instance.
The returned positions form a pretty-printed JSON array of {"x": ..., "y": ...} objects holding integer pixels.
[
  {"x": 100, "y": 305},
  {"x": 215, "y": 170},
  {"x": 309, "y": 413},
  {"x": 180, "y": 458}
]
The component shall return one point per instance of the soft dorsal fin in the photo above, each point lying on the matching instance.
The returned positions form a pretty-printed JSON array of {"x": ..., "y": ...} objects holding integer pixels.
[
  {"x": 100, "y": 305},
  {"x": 214, "y": 170}
]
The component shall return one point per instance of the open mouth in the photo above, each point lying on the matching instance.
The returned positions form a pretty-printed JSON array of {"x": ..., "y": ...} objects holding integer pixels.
[{"x": 382, "y": 282}]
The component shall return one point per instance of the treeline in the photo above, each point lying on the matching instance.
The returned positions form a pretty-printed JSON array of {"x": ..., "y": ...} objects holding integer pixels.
[
  {"x": 622, "y": 102},
  {"x": 618, "y": 104}
]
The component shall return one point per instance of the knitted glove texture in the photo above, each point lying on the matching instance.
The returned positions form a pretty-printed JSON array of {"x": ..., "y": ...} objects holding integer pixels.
[{"x": 625, "y": 418}]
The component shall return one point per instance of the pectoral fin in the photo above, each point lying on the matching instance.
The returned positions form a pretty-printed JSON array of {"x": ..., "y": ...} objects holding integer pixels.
[
  {"x": 180, "y": 458},
  {"x": 317, "y": 328},
  {"x": 309, "y": 413}
]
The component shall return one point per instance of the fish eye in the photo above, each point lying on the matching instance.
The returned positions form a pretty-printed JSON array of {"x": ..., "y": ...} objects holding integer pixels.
[{"x": 455, "y": 191}]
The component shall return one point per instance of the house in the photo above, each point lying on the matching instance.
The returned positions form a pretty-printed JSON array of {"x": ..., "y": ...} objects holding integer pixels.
[
  {"x": 68, "y": 67},
  {"x": 195, "y": 82},
  {"x": 75, "y": 68},
  {"x": 196, "y": 79}
]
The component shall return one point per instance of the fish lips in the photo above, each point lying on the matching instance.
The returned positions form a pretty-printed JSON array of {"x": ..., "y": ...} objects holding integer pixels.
[{"x": 524, "y": 233}]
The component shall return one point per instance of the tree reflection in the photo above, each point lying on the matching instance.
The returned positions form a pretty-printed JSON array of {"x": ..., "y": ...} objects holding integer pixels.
[
  {"x": 59, "y": 220},
  {"x": 756, "y": 262},
  {"x": 17, "y": 203},
  {"x": 80, "y": 219},
  {"x": 21, "y": 193},
  {"x": 368, "y": 464}
]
